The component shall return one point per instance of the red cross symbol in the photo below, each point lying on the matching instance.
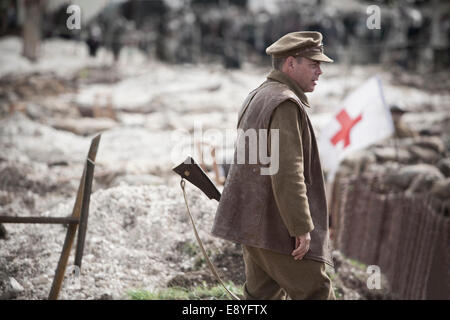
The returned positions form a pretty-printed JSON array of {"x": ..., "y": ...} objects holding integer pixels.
[{"x": 347, "y": 124}]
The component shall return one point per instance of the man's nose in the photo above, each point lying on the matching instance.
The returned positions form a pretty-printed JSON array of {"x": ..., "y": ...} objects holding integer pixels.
[{"x": 319, "y": 71}]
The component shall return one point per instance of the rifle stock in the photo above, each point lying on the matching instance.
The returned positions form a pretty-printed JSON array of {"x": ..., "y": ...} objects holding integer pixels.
[{"x": 191, "y": 171}]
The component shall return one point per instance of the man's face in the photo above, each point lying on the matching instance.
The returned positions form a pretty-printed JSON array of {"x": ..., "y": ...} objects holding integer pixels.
[{"x": 306, "y": 73}]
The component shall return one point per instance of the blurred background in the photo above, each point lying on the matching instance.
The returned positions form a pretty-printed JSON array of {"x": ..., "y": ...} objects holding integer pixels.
[
  {"x": 148, "y": 75},
  {"x": 414, "y": 34}
]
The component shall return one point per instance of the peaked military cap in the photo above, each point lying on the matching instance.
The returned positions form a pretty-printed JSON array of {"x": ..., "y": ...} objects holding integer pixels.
[{"x": 302, "y": 43}]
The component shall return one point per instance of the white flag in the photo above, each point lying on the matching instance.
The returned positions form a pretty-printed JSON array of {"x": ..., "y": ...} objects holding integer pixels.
[{"x": 362, "y": 119}]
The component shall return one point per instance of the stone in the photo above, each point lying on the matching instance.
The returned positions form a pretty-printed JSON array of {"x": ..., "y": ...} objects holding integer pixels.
[
  {"x": 423, "y": 183},
  {"x": 137, "y": 180},
  {"x": 84, "y": 126},
  {"x": 3, "y": 232},
  {"x": 16, "y": 286},
  {"x": 106, "y": 296},
  {"x": 392, "y": 154},
  {"x": 357, "y": 161},
  {"x": 41, "y": 280},
  {"x": 441, "y": 189},
  {"x": 424, "y": 154},
  {"x": 4, "y": 284},
  {"x": 444, "y": 166},
  {"x": 405, "y": 175},
  {"x": 434, "y": 143}
]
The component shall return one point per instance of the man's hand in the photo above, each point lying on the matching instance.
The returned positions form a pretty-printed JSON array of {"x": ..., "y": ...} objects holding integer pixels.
[{"x": 301, "y": 246}]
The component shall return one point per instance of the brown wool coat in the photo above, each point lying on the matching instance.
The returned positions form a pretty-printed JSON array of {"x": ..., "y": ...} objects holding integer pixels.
[{"x": 254, "y": 209}]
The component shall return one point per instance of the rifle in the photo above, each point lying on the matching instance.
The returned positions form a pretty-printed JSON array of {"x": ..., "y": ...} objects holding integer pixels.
[{"x": 192, "y": 172}]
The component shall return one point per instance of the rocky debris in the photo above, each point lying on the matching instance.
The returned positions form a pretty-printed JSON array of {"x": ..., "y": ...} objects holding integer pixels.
[
  {"x": 131, "y": 242},
  {"x": 137, "y": 180},
  {"x": 403, "y": 178},
  {"x": 28, "y": 141},
  {"x": 84, "y": 126},
  {"x": 425, "y": 155},
  {"x": 19, "y": 92},
  {"x": 6, "y": 291},
  {"x": 441, "y": 189},
  {"x": 227, "y": 260},
  {"x": 97, "y": 74},
  {"x": 16, "y": 287},
  {"x": 423, "y": 183},
  {"x": 97, "y": 111},
  {"x": 444, "y": 166},
  {"x": 434, "y": 143},
  {"x": 356, "y": 162},
  {"x": 10, "y": 288},
  {"x": 437, "y": 81},
  {"x": 349, "y": 277},
  {"x": 412, "y": 165},
  {"x": 132, "y": 149},
  {"x": 5, "y": 198},
  {"x": 15, "y": 87},
  {"x": 191, "y": 279},
  {"x": 350, "y": 280},
  {"x": 431, "y": 122},
  {"x": 421, "y": 149},
  {"x": 30, "y": 188},
  {"x": 392, "y": 154},
  {"x": 13, "y": 180},
  {"x": 40, "y": 109},
  {"x": 137, "y": 151},
  {"x": 3, "y": 232}
]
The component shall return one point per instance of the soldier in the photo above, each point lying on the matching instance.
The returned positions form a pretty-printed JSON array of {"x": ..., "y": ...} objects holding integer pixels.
[
  {"x": 94, "y": 39},
  {"x": 281, "y": 219}
]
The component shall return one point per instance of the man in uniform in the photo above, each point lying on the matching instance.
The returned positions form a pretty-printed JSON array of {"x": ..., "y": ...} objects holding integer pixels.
[{"x": 281, "y": 218}]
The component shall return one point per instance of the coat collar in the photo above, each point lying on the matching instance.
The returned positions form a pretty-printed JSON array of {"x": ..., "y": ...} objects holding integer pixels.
[{"x": 285, "y": 79}]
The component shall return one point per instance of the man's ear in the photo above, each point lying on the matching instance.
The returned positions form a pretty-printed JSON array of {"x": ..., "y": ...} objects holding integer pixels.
[{"x": 288, "y": 64}]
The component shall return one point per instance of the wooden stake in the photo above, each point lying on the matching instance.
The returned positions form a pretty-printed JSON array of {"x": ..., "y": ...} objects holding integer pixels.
[
  {"x": 70, "y": 235},
  {"x": 84, "y": 212}
]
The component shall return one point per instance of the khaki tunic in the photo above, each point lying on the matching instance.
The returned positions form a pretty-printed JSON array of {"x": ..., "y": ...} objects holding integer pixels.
[{"x": 269, "y": 211}]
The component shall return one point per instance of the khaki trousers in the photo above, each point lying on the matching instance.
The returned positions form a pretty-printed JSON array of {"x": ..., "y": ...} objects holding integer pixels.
[{"x": 274, "y": 276}]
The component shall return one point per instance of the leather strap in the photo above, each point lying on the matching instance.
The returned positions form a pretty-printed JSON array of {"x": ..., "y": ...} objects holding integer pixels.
[{"x": 200, "y": 243}]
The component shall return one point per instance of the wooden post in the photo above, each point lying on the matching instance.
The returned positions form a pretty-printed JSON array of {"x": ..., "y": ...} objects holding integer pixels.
[
  {"x": 32, "y": 29},
  {"x": 42, "y": 220},
  {"x": 70, "y": 235},
  {"x": 84, "y": 212}
]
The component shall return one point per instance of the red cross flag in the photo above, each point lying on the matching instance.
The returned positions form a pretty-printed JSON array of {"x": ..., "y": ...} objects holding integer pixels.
[{"x": 363, "y": 119}]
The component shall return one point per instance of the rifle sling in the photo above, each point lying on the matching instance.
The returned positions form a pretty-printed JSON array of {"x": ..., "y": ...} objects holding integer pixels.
[{"x": 200, "y": 243}]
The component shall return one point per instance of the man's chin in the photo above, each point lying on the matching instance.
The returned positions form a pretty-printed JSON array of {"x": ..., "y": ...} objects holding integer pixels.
[{"x": 313, "y": 86}]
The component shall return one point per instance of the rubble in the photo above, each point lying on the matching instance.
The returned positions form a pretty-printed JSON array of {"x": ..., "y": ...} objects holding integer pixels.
[
  {"x": 441, "y": 189},
  {"x": 83, "y": 126},
  {"x": 405, "y": 176},
  {"x": 132, "y": 233},
  {"x": 444, "y": 166}
]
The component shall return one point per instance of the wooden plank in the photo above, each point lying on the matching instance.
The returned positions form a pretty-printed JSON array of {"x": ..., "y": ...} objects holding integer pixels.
[
  {"x": 84, "y": 212},
  {"x": 43, "y": 220},
  {"x": 71, "y": 231}
]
